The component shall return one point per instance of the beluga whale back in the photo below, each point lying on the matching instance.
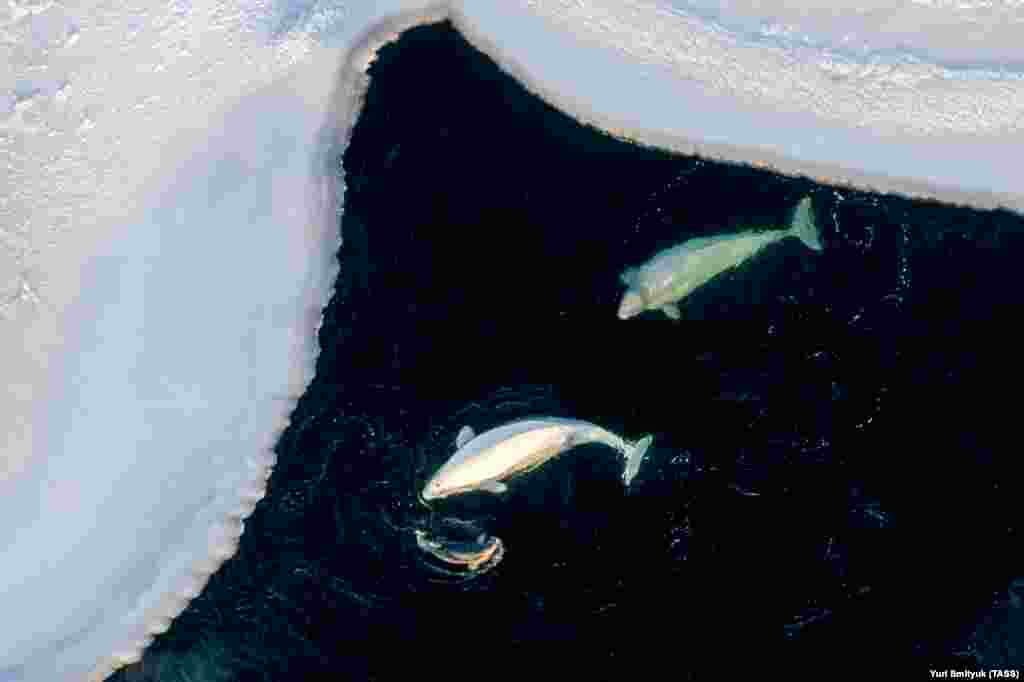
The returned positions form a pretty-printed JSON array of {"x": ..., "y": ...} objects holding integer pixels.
[
  {"x": 483, "y": 462},
  {"x": 671, "y": 275}
]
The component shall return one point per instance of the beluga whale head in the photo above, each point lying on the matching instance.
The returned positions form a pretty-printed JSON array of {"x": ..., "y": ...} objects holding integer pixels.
[
  {"x": 446, "y": 483},
  {"x": 632, "y": 305},
  {"x": 634, "y": 300},
  {"x": 433, "y": 490}
]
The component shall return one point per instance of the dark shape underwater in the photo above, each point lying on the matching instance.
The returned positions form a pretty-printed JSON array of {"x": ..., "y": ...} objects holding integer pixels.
[{"x": 832, "y": 480}]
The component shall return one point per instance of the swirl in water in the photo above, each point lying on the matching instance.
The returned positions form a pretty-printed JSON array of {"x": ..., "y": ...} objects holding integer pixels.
[
  {"x": 454, "y": 548},
  {"x": 461, "y": 549}
]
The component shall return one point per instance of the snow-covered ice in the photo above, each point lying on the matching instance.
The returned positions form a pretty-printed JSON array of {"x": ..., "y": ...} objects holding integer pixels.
[{"x": 168, "y": 217}]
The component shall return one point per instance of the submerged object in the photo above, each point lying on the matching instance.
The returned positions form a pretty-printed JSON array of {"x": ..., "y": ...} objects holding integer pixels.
[
  {"x": 672, "y": 274},
  {"x": 483, "y": 461},
  {"x": 457, "y": 548},
  {"x": 470, "y": 558}
]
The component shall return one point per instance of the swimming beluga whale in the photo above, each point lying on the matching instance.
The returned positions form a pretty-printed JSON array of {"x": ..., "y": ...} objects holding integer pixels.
[
  {"x": 671, "y": 275},
  {"x": 482, "y": 462}
]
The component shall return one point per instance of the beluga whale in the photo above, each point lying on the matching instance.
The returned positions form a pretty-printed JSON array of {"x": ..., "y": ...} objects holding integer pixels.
[
  {"x": 672, "y": 274},
  {"x": 483, "y": 462}
]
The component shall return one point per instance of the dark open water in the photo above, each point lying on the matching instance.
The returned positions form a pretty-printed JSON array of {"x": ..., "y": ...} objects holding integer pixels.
[{"x": 832, "y": 481}]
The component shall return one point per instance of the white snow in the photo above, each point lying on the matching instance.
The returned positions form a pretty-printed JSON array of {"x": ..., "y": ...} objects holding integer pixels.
[{"x": 168, "y": 217}]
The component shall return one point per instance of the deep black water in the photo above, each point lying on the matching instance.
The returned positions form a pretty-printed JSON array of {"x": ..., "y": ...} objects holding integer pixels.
[{"x": 831, "y": 481}]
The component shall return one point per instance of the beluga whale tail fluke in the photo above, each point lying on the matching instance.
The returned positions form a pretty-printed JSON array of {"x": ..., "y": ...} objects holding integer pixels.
[
  {"x": 635, "y": 453},
  {"x": 674, "y": 273},
  {"x": 483, "y": 462},
  {"x": 803, "y": 227}
]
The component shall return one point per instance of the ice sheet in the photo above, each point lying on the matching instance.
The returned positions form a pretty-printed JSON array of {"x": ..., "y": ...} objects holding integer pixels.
[{"x": 786, "y": 86}]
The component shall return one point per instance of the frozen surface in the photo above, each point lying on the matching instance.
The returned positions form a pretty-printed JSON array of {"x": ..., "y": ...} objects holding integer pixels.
[
  {"x": 790, "y": 89},
  {"x": 167, "y": 231},
  {"x": 168, "y": 235}
]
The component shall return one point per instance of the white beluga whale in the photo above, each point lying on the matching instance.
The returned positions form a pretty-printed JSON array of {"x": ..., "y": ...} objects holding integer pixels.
[
  {"x": 672, "y": 274},
  {"x": 483, "y": 462}
]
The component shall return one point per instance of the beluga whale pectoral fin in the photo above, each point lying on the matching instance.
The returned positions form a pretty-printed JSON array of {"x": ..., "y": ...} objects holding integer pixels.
[
  {"x": 671, "y": 310},
  {"x": 494, "y": 487},
  {"x": 465, "y": 435}
]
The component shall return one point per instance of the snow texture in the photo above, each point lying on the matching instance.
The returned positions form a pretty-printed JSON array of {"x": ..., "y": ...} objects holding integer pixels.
[{"x": 144, "y": 146}]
